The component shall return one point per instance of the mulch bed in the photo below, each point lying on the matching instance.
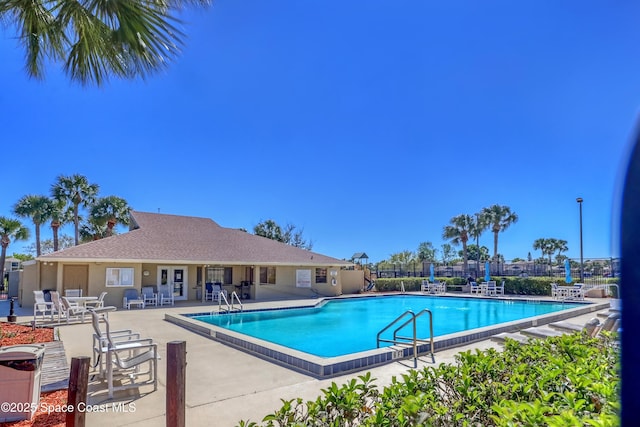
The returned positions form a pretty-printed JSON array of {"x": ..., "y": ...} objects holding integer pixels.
[{"x": 13, "y": 334}]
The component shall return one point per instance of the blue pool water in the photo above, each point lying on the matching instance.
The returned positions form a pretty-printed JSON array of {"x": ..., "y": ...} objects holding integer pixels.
[{"x": 345, "y": 326}]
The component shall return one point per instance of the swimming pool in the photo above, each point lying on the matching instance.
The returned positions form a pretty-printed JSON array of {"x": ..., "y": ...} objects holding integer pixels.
[
  {"x": 306, "y": 316},
  {"x": 340, "y": 327}
]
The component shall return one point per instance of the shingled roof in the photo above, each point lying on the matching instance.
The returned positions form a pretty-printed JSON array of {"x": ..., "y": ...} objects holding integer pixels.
[{"x": 162, "y": 238}]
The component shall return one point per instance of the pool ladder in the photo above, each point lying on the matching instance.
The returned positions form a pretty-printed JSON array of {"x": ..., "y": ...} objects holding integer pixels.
[
  {"x": 229, "y": 307},
  {"x": 397, "y": 339}
]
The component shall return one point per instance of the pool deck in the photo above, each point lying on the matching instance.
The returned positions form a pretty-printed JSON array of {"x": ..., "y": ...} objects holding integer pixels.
[{"x": 224, "y": 385}]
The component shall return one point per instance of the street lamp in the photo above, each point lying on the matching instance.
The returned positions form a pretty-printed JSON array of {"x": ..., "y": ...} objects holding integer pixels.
[
  {"x": 477, "y": 245},
  {"x": 579, "y": 200}
]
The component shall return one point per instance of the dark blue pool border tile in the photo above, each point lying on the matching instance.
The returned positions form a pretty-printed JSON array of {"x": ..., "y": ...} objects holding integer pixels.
[{"x": 329, "y": 367}]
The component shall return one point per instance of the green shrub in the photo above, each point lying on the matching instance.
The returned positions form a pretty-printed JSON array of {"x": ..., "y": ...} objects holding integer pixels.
[{"x": 561, "y": 381}]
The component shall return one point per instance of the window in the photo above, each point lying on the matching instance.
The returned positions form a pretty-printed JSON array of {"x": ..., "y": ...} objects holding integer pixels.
[
  {"x": 321, "y": 275},
  {"x": 267, "y": 275},
  {"x": 223, "y": 275},
  {"x": 119, "y": 276}
]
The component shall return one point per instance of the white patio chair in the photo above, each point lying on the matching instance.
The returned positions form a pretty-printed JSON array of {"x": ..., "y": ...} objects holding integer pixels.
[
  {"x": 577, "y": 292},
  {"x": 58, "y": 307},
  {"x": 474, "y": 288},
  {"x": 42, "y": 307},
  {"x": 424, "y": 287},
  {"x": 555, "y": 291},
  {"x": 126, "y": 362},
  {"x": 125, "y": 338},
  {"x": 73, "y": 311},
  {"x": 131, "y": 297},
  {"x": 166, "y": 296},
  {"x": 491, "y": 288},
  {"x": 99, "y": 303},
  {"x": 149, "y": 296},
  {"x": 213, "y": 291},
  {"x": 499, "y": 289}
]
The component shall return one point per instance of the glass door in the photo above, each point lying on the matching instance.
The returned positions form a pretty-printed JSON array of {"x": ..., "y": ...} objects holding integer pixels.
[
  {"x": 179, "y": 288},
  {"x": 174, "y": 280}
]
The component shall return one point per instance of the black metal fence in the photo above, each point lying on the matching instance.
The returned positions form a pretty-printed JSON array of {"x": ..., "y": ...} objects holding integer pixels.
[{"x": 592, "y": 270}]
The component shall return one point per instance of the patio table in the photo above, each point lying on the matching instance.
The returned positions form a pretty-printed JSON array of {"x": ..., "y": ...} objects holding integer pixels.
[{"x": 81, "y": 300}]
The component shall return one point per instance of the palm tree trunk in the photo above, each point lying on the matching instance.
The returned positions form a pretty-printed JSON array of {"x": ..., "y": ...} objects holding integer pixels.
[
  {"x": 465, "y": 257},
  {"x": 55, "y": 225},
  {"x": 37, "y": 226},
  {"x": 3, "y": 256},
  {"x": 76, "y": 224},
  {"x": 110, "y": 224}
]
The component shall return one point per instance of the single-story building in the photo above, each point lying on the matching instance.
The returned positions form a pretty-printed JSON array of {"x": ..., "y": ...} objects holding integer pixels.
[{"x": 183, "y": 253}]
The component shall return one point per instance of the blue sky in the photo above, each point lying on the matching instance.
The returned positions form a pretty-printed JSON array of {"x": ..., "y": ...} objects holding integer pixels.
[{"x": 370, "y": 124}]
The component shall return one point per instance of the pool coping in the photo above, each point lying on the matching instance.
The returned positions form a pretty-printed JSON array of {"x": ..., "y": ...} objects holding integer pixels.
[{"x": 327, "y": 367}]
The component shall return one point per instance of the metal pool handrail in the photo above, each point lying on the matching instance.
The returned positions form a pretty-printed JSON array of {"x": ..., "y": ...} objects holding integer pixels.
[
  {"x": 402, "y": 340},
  {"x": 229, "y": 307}
]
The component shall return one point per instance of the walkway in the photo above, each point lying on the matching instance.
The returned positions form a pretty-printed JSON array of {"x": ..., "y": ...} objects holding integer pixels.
[{"x": 55, "y": 368}]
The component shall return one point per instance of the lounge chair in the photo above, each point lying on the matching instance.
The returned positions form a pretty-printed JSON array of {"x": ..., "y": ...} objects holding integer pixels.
[
  {"x": 502, "y": 337},
  {"x": 41, "y": 307},
  {"x": 131, "y": 297},
  {"x": 611, "y": 324},
  {"x": 149, "y": 295},
  {"x": 541, "y": 332},
  {"x": 591, "y": 327}
]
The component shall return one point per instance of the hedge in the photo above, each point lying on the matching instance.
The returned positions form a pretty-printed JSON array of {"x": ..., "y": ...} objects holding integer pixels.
[{"x": 572, "y": 380}]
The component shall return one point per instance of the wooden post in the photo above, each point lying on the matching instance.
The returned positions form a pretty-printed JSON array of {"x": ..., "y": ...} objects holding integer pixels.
[
  {"x": 78, "y": 382},
  {"x": 176, "y": 381}
]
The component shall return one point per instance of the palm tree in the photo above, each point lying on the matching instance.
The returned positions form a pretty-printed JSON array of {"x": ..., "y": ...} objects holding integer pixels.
[
  {"x": 498, "y": 218},
  {"x": 110, "y": 211},
  {"x": 74, "y": 190},
  {"x": 10, "y": 229},
  {"x": 91, "y": 229},
  {"x": 269, "y": 229},
  {"x": 98, "y": 39},
  {"x": 480, "y": 225},
  {"x": 59, "y": 215},
  {"x": 35, "y": 208},
  {"x": 561, "y": 246},
  {"x": 459, "y": 232},
  {"x": 547, "y": 247}
]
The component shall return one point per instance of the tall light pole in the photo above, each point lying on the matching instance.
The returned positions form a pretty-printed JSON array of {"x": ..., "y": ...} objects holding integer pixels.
[
  {"x": 579, "y": 200},
  {"x": 477, "y": 245}
]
